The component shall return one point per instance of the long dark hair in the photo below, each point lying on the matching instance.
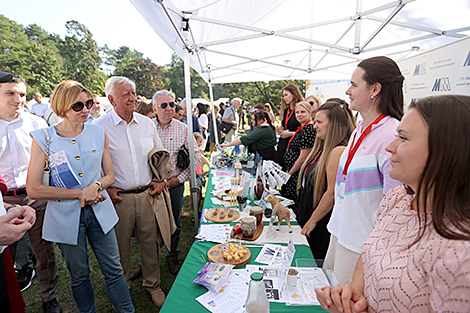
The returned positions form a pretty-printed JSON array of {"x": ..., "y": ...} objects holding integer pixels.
[
  {"x": 260, "y": 116},
  {"x": 444, "y": 185},
  {"x": 201, "y": 107},
  {"x": 385, "y": 71}
]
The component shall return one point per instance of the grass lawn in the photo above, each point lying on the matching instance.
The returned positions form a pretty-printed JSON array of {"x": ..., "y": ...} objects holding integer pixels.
[{"x": 141, "y": 299}]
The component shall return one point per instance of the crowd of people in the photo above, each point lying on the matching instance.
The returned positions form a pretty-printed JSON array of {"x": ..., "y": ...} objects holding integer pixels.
[{"x": 383, "y": 202}]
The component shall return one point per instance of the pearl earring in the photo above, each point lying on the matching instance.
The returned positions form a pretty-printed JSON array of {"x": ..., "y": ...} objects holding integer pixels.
[{"x": 372, "y": 97}]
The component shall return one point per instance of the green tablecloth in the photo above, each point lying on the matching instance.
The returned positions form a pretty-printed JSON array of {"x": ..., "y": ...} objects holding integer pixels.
[{"x": 183, "y": 293}]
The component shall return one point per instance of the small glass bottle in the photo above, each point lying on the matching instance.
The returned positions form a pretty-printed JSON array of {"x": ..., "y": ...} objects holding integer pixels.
[{"x": 257, "y": 301}]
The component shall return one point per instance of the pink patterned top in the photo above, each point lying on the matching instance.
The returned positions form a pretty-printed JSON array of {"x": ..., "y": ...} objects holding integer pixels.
[{"x": 433, "y": 273}]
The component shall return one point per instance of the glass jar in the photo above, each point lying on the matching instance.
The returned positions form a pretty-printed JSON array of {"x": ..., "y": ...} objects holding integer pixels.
[
  {"x": 257, "y": 301},
  {"x": 257, "y": 212},
  {"x": 248, "y": 226}
]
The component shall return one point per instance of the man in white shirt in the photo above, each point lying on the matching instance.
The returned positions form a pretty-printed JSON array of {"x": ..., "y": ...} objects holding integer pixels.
[
  {"x": 131, "y": 136},
  {"x": 40, "y": 107},
  {"x": 15, "y": 153},
  {"x": 95, "y": 110}
]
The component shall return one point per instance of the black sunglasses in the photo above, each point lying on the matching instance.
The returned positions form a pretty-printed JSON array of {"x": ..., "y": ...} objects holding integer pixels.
[
  {"x": 165, "y": 104},
  {"x": 5, "y": 77},
  {"x": 312, "y": 102},
  {"x": 78, "y": 106}
]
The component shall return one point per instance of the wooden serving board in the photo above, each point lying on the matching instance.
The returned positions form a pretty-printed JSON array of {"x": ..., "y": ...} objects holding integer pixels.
[
  {"x": 217, "y": 219},
  {"x": 215, "y": 255},
  {"x": 237, "y": 191},
  {"x": 257, "y": 233}
]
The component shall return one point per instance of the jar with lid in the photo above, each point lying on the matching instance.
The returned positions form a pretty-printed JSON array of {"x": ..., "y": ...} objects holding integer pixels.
[
  {"x": 257, "y": 301},
  {"x": 248, "y": 226},
  {"x": 257, "y": 212}
]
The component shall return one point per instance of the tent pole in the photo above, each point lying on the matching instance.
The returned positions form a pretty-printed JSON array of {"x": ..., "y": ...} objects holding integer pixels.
[
  {"x": 189, "y": 109},
  {"x": 211, "y": 95}
]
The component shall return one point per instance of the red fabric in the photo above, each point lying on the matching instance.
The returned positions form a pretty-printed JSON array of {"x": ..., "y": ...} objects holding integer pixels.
[
  {"x": 14, "y": 293},
  {"x": 3, "y": 186}
]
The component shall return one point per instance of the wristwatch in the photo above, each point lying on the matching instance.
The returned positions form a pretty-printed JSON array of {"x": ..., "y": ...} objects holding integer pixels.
[{"x": 100, "y": 186}]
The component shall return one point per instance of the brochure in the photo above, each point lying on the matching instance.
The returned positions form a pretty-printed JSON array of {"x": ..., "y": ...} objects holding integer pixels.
[{"x": 62, "y": 174}]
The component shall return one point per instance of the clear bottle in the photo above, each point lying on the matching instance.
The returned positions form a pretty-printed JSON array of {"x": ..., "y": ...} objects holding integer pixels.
[{"x": 257, "y": 301}]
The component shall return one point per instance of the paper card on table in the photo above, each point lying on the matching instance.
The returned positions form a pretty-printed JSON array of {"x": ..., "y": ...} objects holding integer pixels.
[
  {"x": 271, "y": 281},
  {"x": 303, "y": 293},
  {"x": 231, "y": 299},
  {"x": 214, "y": 232}
]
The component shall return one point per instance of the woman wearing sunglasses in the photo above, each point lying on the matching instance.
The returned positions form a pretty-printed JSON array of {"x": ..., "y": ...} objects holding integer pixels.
[{"x": 83, "y": 211}]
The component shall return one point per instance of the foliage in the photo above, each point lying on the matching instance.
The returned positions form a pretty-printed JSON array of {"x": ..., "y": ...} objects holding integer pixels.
[
  {"x": 45, "y": 59},
  {"x": 173, "y": 79}
]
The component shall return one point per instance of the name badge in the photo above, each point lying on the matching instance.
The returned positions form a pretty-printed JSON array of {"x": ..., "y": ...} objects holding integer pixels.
[{"x": 341, "y": 187}]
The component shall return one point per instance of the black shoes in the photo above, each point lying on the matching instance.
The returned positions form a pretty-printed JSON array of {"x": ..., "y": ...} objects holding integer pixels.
[
  {"x": 24, "y": 278},
  {"x": 174, "y": 266},
  {"x": 51, "y": 306}
]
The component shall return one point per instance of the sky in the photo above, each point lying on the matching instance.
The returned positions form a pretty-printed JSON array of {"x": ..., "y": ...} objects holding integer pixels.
[{"x": 112, "y": 22}]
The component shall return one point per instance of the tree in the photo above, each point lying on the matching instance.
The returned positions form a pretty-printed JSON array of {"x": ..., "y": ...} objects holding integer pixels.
[
  {"x": 146, "y": 75},
  {"x": 13, "y": 45},
  {"x": 173, "y": 79},
  {"x": 82, "y": 55}
]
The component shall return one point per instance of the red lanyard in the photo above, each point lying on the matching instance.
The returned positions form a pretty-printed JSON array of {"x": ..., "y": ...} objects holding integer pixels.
[
  {"x": 296, "y": 132},
  {"x": 289, "y": 116},
  {"x": 315, "y": 160},
  {"x": 353, "y": 149}
]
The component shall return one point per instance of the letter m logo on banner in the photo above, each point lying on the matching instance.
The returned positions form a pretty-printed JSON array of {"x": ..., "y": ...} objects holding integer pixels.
[{"x": 467, "y": 60}]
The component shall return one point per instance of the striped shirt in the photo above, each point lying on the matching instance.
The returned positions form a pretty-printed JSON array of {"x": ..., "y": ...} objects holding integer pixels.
[
  {"x": 366, "y": 182},
  {"x": 173, "y": 136}
]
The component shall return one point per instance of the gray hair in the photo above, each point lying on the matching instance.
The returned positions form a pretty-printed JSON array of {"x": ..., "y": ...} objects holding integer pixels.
[
  {"x": 112, "y": 81},
  {"x": 236, "y": 99},
  {"x": 162, "y": 92}
]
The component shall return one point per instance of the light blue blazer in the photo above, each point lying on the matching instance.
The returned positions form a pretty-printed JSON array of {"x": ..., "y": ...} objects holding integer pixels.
[{"x": 84, "y": 153}]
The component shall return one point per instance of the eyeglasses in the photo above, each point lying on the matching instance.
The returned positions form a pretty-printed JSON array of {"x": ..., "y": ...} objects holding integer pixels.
[
  {"x": 5, "y": 77},
  {"x": 165, "y": 104},
  {"x": 313, "y": 103},
  {"x": 78, "y": 106}
]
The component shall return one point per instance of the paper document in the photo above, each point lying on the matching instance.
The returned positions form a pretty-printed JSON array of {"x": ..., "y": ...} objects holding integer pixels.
[{"x": 62, "y": 174}]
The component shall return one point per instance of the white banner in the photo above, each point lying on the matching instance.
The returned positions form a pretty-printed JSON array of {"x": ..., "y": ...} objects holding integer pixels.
[{"x": 441, "y": 71}]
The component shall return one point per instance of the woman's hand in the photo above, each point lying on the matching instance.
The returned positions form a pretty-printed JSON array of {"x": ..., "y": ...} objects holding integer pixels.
[
  {"x": 342, "y": 298},
  {"x": 308, "y": 227},
  {"x": 286, "y": 134},
  {"x": 279, "y": 130},
  {"x": 89, "y": 195}
]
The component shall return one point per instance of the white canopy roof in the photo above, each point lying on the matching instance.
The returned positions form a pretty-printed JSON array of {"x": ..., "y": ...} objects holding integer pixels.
[{"x": 263, "y": 40}]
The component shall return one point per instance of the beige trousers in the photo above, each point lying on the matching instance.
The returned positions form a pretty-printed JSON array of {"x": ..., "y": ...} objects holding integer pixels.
[
  {"x": 341, "y": 260},
  {"x": 136, "y": 211}
]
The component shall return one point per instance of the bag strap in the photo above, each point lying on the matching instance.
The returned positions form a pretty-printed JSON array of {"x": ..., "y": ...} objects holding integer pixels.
[{"x": 48, "y": 141}]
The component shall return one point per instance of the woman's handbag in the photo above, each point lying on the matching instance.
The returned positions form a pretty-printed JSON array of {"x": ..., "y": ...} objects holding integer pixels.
[
  {"x": 182, "y": 159},
  {"x": 47, "y": 171}
]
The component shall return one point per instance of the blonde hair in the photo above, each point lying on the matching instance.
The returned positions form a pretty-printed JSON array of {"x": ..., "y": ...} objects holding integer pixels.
[
  {"x": 317, "y": 100},
  {"x": 65, "y": 95},
  {"x": 340, "y": 127},
  {"x": 304, "y": 104}
]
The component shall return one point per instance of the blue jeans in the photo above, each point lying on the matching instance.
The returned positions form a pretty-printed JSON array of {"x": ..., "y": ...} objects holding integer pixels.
[
  {"x": 107, "y": 254},
  {"x": 176, "y": 195}
]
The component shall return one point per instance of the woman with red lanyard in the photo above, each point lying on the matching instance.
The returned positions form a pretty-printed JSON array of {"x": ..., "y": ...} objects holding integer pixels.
[
  {"x": 298, "y": 148},
  {"x": 289, "y": 124},
  {"x": 334, "y": 124},
  {"x": 363, "y": 175}
]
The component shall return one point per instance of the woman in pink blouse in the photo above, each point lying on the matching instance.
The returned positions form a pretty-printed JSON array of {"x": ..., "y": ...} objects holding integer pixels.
[{"x": 417, "y": 258}]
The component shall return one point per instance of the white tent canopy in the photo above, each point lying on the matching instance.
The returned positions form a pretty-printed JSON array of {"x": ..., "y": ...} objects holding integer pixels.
[{"x": 246, "y": 40}]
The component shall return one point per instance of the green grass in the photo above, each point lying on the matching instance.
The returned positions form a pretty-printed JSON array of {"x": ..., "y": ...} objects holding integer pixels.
[{"x": 140, "y": 298}]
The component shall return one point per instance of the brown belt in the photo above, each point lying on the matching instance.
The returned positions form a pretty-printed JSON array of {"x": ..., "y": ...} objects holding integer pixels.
[
  {"x": 16, "y": 192},
  {"x": 136, "y": 190}
]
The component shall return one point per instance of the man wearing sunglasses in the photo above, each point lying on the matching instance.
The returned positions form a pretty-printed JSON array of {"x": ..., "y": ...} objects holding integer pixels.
[
  {"x": 15, "y": 153},
  {"x": 173, "y": 134}
]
